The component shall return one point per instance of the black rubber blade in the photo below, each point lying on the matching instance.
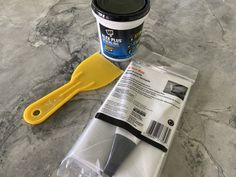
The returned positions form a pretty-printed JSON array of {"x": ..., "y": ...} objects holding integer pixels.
[{"x": 121, "y": 148}]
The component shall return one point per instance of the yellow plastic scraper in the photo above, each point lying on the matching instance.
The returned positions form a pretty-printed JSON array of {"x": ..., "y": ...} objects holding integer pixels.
[{"x": 93, "y": 73}]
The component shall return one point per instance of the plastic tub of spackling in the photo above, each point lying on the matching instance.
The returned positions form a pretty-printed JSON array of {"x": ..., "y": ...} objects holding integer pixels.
[{"x": 120, "y": 24}]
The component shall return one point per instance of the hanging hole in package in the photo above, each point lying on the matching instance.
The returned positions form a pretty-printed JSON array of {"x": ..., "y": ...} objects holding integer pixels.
[{"x": 132, "y": 131}]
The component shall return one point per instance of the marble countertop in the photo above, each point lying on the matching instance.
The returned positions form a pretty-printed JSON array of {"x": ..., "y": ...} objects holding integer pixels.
[{"x": 42, "y": 41}]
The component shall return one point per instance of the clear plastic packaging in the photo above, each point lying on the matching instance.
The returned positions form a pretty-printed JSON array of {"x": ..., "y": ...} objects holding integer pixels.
[{"x": 132, "y": 131}]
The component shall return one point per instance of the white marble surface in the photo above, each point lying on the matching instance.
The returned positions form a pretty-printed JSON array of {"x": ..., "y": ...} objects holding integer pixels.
[{"x": 41, "y": 41}]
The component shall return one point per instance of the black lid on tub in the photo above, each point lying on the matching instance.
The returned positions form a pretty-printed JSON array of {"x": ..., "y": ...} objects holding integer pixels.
[{"x": 121, "y": 10}]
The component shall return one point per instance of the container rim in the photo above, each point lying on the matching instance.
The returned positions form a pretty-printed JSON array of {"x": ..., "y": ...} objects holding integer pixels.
[{"x": 120, "y": 17}]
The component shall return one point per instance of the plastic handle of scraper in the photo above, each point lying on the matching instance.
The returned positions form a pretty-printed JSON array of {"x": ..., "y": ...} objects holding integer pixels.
[{"x": 40, "y": 110}]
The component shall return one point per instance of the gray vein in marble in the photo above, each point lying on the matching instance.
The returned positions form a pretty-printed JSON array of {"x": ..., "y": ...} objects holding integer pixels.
[
  {"x": 220, "y": 169},
  {"x": 217, "y": 19}
]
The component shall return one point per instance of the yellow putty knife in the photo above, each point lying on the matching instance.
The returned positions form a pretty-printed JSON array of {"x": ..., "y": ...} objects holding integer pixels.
[{"x": 93, "y": 73}]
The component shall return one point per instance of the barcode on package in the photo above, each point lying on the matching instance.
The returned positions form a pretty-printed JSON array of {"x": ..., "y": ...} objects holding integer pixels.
[{"x": 158, "y": 131}]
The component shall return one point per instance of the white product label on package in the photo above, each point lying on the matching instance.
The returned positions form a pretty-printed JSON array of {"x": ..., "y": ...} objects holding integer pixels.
[{"x": 148, "y": 102}]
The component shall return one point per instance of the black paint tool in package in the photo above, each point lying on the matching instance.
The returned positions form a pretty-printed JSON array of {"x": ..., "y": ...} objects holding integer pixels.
[{"x": 131, "y": 133}]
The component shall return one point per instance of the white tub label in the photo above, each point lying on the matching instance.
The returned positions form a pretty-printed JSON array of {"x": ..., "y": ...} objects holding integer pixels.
[
  {"x": 148, "y": 103},
  {"x": 120, "y": 44}
]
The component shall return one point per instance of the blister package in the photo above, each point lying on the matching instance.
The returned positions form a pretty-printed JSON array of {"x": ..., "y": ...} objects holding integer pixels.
[{"x": 132, "y": 131}]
